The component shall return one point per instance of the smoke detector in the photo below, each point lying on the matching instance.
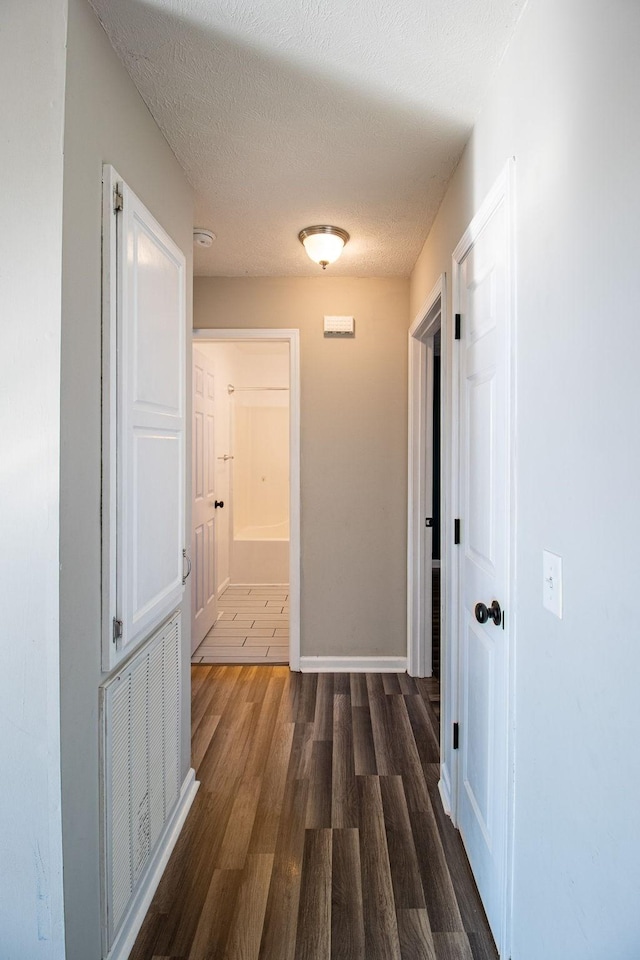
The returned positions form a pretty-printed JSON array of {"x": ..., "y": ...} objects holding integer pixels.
[{"x": 202, "y": 237}]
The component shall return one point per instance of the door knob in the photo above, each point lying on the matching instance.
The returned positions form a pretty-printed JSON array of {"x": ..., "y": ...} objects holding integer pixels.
[
  {"x": 218, "y": 503},
  {"x": 484, "y": 613}
]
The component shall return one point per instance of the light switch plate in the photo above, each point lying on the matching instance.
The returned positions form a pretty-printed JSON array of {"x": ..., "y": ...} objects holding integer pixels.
[{"x": 552, "y": 582}]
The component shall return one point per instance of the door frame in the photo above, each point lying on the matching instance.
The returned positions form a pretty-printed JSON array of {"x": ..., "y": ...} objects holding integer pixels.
[
  {"x": 430, "y": 318},
  {"x": 502, "y": 191},
  {"x": 433, "y": 314},
  {"x": 292, "y": 337}
]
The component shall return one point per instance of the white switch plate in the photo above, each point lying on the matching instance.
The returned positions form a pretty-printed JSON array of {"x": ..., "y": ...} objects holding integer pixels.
[{"x": 552, "y": 582}]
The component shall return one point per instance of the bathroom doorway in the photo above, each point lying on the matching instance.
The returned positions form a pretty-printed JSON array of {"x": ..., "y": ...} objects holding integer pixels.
[{"x": 249, "y": 552}]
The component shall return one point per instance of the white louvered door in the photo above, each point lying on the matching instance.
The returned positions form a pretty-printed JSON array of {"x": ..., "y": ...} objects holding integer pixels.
[{"x": 140, "y": 709}]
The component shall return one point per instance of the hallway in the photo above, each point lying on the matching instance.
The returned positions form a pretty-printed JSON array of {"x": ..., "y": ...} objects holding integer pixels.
[{"x": 318, "y": 830}]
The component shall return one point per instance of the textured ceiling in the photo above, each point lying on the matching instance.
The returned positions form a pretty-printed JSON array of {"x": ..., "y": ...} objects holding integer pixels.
[{"x": 287, "y": 113}]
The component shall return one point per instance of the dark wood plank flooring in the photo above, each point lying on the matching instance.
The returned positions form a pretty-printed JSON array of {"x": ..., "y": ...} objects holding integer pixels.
[{"x": 318, "y": 832}]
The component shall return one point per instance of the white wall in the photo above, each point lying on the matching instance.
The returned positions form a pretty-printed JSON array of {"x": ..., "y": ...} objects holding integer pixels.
[
  {"x": 261, "y": 462},
  {"x": 32, "y": 78},
  {"x": 260, "y": 436},
  {"x": 106, "y": 121},
  {"x": 565, "y": 103}
]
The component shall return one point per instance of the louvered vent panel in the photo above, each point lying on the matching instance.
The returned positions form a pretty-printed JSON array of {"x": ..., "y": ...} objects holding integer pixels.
[
  {"x": 141, "y": 762},
  {"x": 139, "y": 768},
  {"x": 120, "y": 786},
  {"x": 156, "y": 744},
  {"x": 171, "y": 678}
]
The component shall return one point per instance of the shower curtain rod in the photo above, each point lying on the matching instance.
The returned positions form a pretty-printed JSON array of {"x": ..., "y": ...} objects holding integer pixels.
[{"x": 232, "y": 389}]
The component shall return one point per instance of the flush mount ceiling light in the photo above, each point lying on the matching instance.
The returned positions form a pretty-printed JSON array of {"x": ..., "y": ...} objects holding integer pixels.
[
  {"x": 202, "y": 237},
  {"x": 323, "y": 243}
]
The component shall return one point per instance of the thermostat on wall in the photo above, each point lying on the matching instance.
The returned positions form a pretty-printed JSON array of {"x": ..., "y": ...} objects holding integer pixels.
[{"x": 339, "y": 327}]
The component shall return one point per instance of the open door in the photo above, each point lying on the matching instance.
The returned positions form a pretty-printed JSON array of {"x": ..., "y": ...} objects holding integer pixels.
[
  {"x": 204, "y": 607},
  {"x": 482, "y": 289}
]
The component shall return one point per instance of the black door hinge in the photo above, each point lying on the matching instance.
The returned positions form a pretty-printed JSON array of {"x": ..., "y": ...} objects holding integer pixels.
[
  {"x": 117, "y": 632},
  {"x": 456, "y": 531},
  {"x": 428, "y": 521},
  {"x": 456, "y": 735},
  {"x": 458, "y": 333}
]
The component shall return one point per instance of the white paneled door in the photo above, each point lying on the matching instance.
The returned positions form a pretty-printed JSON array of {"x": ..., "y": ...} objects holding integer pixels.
[
  {"x": 482, "y": 294},
  {"x": 203, "y": 541},
  {"x": 143, "y": 419}
]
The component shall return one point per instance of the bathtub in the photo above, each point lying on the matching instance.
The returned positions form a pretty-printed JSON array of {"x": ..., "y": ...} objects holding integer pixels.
[
  {"x": 260, "y": 554},
  {"x": 274, "y": 531}
]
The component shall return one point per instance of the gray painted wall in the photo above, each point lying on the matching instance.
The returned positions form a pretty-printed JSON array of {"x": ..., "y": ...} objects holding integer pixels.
[
  {"x": 106, "y": 120},
  {"x": 565, "y": 104},
  {"x": 32, "y": 77},
  {"x": 353, "y": 449}
]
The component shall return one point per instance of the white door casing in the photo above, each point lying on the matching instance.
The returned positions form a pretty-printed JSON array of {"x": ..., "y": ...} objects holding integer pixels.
[
  {"x": 483, "y": 297},
  {"x": 204, "y": 607},
  {"x": 144, "y": 305},
  {"x": 428, "y": 321}
]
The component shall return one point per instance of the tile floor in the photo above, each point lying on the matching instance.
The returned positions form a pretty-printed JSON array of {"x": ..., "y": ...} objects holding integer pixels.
[{"x": 252, "y": 627}]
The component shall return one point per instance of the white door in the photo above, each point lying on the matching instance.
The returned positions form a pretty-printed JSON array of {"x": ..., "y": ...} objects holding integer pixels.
[
  {"x": 143, "y": 420},
  {"x": 204, "y": 607},
  {"x": 482, "y": 295}
]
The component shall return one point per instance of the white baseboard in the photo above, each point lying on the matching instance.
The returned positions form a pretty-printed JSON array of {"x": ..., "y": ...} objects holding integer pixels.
[
  {"x": 223, "y": 587},
  {"x": 123, "y": 943},
  {"x": 445, "y": 792},
  {"x": 253, "y": 584},
  {"x": 353, "y": 664},
  {"x": 435, "y": 564}
]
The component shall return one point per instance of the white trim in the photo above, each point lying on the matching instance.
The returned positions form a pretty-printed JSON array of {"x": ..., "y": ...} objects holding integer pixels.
[
  {"x": 428, "y": 320},
  {"x": 109, "y": 398},
  {"x": 292, "y": 337},
  {"x": 512, "y": 283},
  {"x": 435, "y": 564},
  {"x": 448, "y": 428},
  {"x": 353, "y": 664},
  {"x": 502, "y": 191},
  {"x": 445, "y": 795},
  {"x": 284, "y": 586},
  {"x": 223, "y": 587},
  {"x": 123, "y": 943}
]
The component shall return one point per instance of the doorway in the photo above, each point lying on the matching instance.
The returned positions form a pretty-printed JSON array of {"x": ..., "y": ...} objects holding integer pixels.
[
  {"x": 252, "y": 497},
  {"x": 427, "y": 335},
  {"x": 427, "y": 589}
]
